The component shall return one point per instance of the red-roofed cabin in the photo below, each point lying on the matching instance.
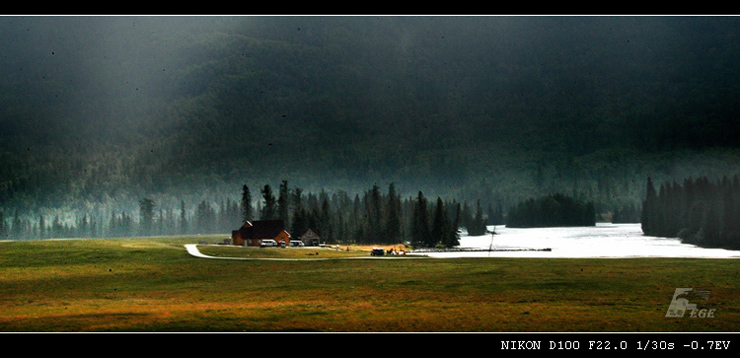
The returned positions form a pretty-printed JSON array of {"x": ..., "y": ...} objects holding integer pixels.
[{"x": 251, "y": 233}]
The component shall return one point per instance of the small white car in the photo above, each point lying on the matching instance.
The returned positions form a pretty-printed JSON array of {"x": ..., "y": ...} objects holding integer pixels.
[{"x": 268, "y": 242}]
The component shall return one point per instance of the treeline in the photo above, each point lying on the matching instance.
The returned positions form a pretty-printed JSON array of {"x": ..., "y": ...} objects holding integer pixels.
[
  {"x": 627, "y": 214},
  {"x": 550, "y": 211},
  {"x": 373, "y": 217},
  {"x": 205, "y": 218},
  {"x": 700, "y": 212}
]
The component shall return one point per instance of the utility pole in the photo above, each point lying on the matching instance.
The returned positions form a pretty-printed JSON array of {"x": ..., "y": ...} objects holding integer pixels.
[{"x": 490, "y": 247}]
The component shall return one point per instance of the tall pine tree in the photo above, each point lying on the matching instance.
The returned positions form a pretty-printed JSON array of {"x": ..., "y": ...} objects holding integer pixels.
[
  {"x": 420, "y": 223},
  {"x": 246, "y": 204},
  {"x": 283, "y": 203},
  {"x": 452, "y": 237},
  {"x": 393, "y": 216},
  {"x": 146, "y": 216},
  {"x": 439, "y": 225},
  {"x": 269, "y": 209},
  {"x": 477, "y": 226},
  {"x": 648, "y": 207}
]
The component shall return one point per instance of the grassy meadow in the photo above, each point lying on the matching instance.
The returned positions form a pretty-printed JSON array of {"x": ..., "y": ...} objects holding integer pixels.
[{"x": 154, "y": 285}]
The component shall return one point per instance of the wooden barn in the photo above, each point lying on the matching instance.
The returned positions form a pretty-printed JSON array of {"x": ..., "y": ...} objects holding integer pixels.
[
  {"x": 310, "y": 238},
  {"x": 251, "y": 233}
]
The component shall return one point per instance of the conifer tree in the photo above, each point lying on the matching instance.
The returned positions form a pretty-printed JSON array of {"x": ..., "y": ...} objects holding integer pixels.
[
  {"x": 42, "y": 227},
  {"x": 375, "y": 229},
  {"x": 299, "y": 222},
  {"x": 57, "y": 227},
  {"x": 325, "y": 222},
  {"x": 283, "y": 203},
  {"x": 477, "y": 226},
  {"x": 200, "y": 219},
  {"x": 393, "y": 216},
  {"x": 146, "y": 216},
  {"x": 452, "y": 237},
  {"x": 420, "y": 223},
  {"x": 17, "y": 225},
  {"x": 3, "y": 225},
  {"x": 246, "y": 204},
  {"x": 183, "y": 218},
  {"x": 269, "y": 210},
  {"x": 439, "y": 225},
  {"x": 648, "y": 206}
]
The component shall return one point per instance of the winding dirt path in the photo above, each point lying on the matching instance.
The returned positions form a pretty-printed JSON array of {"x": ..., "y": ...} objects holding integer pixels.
[{"x": 193, "y": 250}]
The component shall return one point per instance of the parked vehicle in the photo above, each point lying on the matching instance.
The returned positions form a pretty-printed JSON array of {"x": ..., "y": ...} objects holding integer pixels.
[
  {"x": 297, "y": 243},
  {"x": 377, "y": 252},
  {"x": 268, "y": 242}
]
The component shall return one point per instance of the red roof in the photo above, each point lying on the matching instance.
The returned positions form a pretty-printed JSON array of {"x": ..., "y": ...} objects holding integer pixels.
[{"x": 262, "y": 229}]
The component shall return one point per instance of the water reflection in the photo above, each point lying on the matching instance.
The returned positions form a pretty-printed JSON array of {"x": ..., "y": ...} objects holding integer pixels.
[{"x": 603, "y": 240}]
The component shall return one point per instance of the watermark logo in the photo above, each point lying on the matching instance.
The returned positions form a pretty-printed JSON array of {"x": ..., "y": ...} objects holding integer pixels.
[{"x": 680, "y": 304}]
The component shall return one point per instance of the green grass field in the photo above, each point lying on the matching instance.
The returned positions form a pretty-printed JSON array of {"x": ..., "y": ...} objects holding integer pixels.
[{"x": 154, "y": 285}]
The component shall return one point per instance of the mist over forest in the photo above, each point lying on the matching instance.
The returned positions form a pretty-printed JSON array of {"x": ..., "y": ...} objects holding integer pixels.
[{"x": 99, "y": 112}]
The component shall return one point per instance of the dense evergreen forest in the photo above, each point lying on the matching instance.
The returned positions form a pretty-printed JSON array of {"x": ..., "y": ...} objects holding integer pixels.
[
  {"x": 628, "y": 214},
  {"x": 373, "y": 218},
  {"x": 551, "y": 211},
  {"x": 699, "y": 211},
  {"x": 99, "y": 113}
]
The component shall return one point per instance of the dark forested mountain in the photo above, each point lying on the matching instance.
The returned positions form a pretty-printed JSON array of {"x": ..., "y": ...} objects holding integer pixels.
[{"x": 97, "y": 113}]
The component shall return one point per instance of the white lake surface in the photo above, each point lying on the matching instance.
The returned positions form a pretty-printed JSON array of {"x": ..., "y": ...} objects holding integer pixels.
[{"x": 603, "y": 240}]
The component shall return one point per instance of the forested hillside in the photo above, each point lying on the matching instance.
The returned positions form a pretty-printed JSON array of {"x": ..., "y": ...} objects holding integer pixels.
[{"x": 98, "y": 113}]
